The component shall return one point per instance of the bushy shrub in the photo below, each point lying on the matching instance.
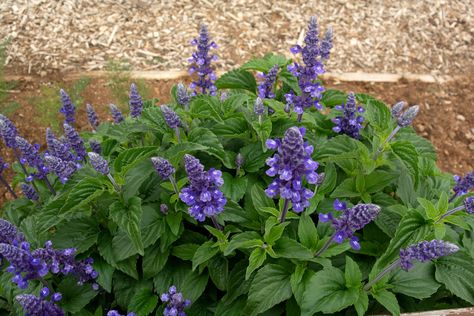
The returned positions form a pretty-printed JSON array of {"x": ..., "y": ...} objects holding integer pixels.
[{"x": 239, "y": 198}]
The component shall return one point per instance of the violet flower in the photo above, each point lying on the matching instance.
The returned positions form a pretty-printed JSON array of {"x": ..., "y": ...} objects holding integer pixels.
[
  {"x": 175, "y": 302},
  {"x": 172, "y": 120},
  {"x": 136, "y": 103},
  {"x": 349, "y": 122},
  {"x": 313, "y": 55},
  {"x": 239, "y": 161},
  {"x": 290, "y": 165},
  {"x": 463, "y": 185},
  {"x": 164, "y": 209},
  {"x": 165, "y": 170},
  {"x": 63, "y": 169},
  {"x": 351, "y": 220},
  {"x": 201, "y": 64},
  {"x": 68, "y": 108},
  {"x": 29, "y": 192},
  {"x": 75, "y": 141},
  {"x": 259, "y": 109},
  {"x": 92, "y": 117},
  {"x": 8, "y": 132},
  {"x": 265, "y": 87},
  {"x": 203, "y": 195},
  {"x": 31, "y": 155},
  {"x": 102, "y": 166},
  {"x": 61, "y": 150},
  {"x": 36, "y": 306},
  {"x": 425, "y": 251},
  {"x": 117, "y": 116},
  {"x": 182, "y": 96},
  {"x": 95, "y": 146},
  {"x": 116, "y": 313},
  {"x": 9, "y": 234}
]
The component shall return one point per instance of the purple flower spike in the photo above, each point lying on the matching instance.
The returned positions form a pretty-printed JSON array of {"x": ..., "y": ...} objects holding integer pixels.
[
  {"x": 136, "y": 103},
  {"x": 29, "y": 192},
  {"x": 397, "y": 109},
  {"x": 265, "y": 88},
  {"x": 95, "y": 146},
  {"x": 313, "y": 55},
  {"x": 175, "y": 302},
  {"x": 8, "y": 233},
  {"x": 464, "y": 185},
  {"x": 425, "y": 251},
  {"x": 259, "y": 108},
  {"x": 350, "y": 122},
  {"x": 35, "y": 306},
  {"x": 63, "y": 169},
  {"x": 171, "y": 118},
  {"x": 350, "y": 221},
  {"x": 31, "y": 155},
  {"x": 75, "y": 141},
  {"x": 8, "y": 131},
  {"x": 68, "y": 108},
  {"x": 62, "y": 150},
  {"x": 163, "y": 167},
  {"x": 290, "y": 165},
  {"x": 407, "y": 117},
  {"x": 116, "y": 313},
  {"x": 469, "y": 204},
  {"x": 164, "y": 209},
  {"x": 182, "y": 95},
  {"x": 203, "y": 195},
  {"x": 117, "y": 116},
  {"x": 92, "y": 117},
  {"x": 201, "y": 64},
  {"x": 98, "y": 163}
]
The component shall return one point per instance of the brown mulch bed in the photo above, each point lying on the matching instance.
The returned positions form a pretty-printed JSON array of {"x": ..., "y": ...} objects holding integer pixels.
[{"x": 446, "y": 116}]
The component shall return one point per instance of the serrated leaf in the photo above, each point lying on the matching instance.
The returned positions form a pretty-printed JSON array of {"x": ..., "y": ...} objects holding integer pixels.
[
  {"x": 289, "y": 248},
  {"x": 205, "y": 252},
  {"x": 82, "y": 193},
  {"x": 143, "y": 302},
  {"x": 80, "y": 233},
  {"x": 307, "y": 232},
  {"x": 456, "y": 273},
  {"x": 256, "y": 259},
  {"x": 154, "y": 261},
  {"x": 270, "y": 286},
  {"x": 206, "y": 107},
  {"x": 128, "y": 158},
  {"x": 105, "y": 272},
  {"x": 419, "y": 282},
  {"x": 407, "y": 153},
  {"x": 74, "y": 297},
  {"x": 234, "y": 188},
  {"x": 218, "y": 272},
  {"x": 128, "y": 217},
  {"x": 205, "y": 137},
  {"x": 237, "y": 79},
  {"x": 326, "y": 292},
  {"x": 388, "y": 300},
  {"x": 333, "y": 97},
  {"x": 430, "y": 210},
  {"x": 185, "y": 251},
  {"x": 352, "y": 274},
  {"x": 245, "y": 240}
]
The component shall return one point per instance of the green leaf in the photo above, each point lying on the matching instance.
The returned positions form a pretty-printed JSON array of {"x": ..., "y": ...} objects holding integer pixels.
[
  {"x": 270, "y": 287},
  {"x": 388, "y": 300},
  {"x": 419, "y": 282},
  {"x": 362, "y": 303},
  {"x": 412, "y": 228},
  {"x": 353, "y": 275},
  {"x": 128, "y": 158},
  {"x": 205, "y": 252},
  {"x": 332, "y": 97},
  {"x": 237, "y": 79},
  {"x": 205, "y": 137},
  {"x": 289, "y": 248},
  {"x": 154, "y": 261},
  {"x": 330, "y": 179},
  {"x": 430, "y": 210},
  {"x": 377, "y": 112},
  {"x": 234, "y": 187},
  {"x": 206, "y": 107},
  {"x": 407, "y": 153},
  {"x": 80, "y": 233},
  {"x": 256, "y": 259},
  {"x": 128, "y": 217},
  {"x": 456, "y": 273},
  {"x": 173, "y": 219},
  {"x": 273, "y": 231},
  {"x": 105, "y": 272},
  {"x": 233, "y": 128},
  {"x": 326, "y": 292},
  {"x": 185, "y": 251},
  {"x": 82, "y": 193},
  {"x": 307, "y": 232},
  {"x": 266, "y": 63},
  {"x": 218, "y": 272},
  {"x": 245, "y": 240},
  {"x": 254, "y": 157},
  {"x": 236, "y": 283},
  {"x": 346, "y": 189},
  {"x": 378, "y": 180},
  {"x": 127, "y": 266},
  {"x": 74, "y": 298},
  {"x": 194, "y": 285},
  {"x": 143, "y": 302},
  {"x": 234, "y": 213},
  {"x": 443, "y": 203}
]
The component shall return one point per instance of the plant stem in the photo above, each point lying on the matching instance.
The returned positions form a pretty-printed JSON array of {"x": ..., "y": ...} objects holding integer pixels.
[
  {"x": 300, "y": 116},
  {"x": 116, "y": 186},
  {"x": 325, "y": 247},
  {"x": 389, "y": 138},
  {"x": 382, "y": 273},
  {"x": 17, "y": 155},
  {"x": 177, "y": 134},
  {"x": 315, "y": 189},
  {"x": 452, "y": 197},
  {"x": 216, "y": 224},
  {"x": 454, "y": 210},
  {"x": 260, "y": 120},
  {"x": 9, "y": 188},
  {"x": 173, "y": 183},
  {"x": 284, "y": 211},
  {"x": 50, "y": 187}
]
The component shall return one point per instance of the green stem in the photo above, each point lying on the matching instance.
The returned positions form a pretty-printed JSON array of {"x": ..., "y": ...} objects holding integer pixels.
[
  {"x": 173, "y": 183},
  {"x": 9, "y": 188},
  {"x": 325, "y": 247},
  {"x": 454, "y": 210},
  {"x": 216, "y": 224},
  {"x": 112, "y": 180},
  {"x": 389, "y": 138},
  {"x": 382, "y": 273},
  {"x": 284, "y": 211}
]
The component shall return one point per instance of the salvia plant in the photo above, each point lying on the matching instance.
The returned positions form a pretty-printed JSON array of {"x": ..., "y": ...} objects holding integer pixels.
[{"x": 241, "y": 196}]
